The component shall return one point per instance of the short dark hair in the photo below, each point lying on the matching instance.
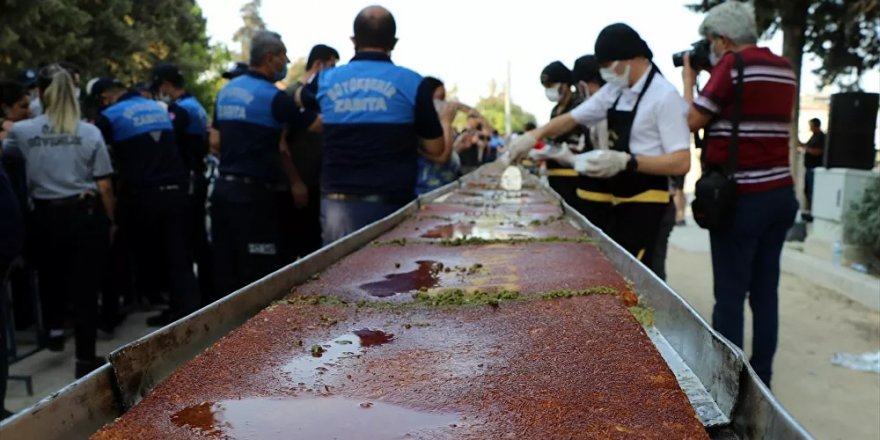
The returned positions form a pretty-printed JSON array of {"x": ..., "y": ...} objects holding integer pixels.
[
  {"x": 816, "y": 122},
  {"x": 432, "y": 83},
  {"x": 11, "y": 92},
  {"x": 264, "y": 43},
  {"x": 375, "y": 27},
  {"x": 321, "y": 52}
]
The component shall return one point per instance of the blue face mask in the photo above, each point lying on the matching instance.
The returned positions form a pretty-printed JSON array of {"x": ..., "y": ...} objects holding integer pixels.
[{"x": 279, "y": 76}]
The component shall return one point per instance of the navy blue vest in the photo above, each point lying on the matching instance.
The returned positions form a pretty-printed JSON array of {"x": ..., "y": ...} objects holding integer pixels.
[
  {"x": 192, "y": 138},
  {"x": 143, "y": 144},
  {"x": 249, "y": 132},
  {"x": 370, "y": 142}
]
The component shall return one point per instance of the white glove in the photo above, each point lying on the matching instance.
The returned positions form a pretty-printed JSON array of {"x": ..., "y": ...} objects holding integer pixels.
[
  {"x": 521, "y": 146},
  {"x": 563, "y": 156},
  {"x": 580, "y": 160},
  {"x": 601, "y": 164}
]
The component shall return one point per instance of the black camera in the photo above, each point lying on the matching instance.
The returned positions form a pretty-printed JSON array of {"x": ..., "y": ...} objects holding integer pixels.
[{"x": 698, "y": 54}]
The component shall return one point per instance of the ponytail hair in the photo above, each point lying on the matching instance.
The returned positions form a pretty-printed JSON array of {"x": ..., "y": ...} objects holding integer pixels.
[{"x": 59, "y": 99}]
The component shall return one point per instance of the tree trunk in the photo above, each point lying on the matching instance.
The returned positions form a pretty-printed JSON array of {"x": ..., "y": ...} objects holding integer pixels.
[{"x": 794, "y": 24}]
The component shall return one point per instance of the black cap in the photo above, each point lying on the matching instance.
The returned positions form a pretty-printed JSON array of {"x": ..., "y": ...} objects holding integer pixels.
[
  {"x": 165, "y": 72},
  {"x": 556, "y": 72},
  {"x": 620, "y": 42},
  {"x": 235, "y": 70},
  {"x": 101, "y": 85},
  {"x": 586, "y": 69},
  {"x": 27, "y": 77}
]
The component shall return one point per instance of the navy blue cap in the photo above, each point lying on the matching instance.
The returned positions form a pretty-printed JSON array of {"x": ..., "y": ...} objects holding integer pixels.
[{"x": 28, "y": 77}]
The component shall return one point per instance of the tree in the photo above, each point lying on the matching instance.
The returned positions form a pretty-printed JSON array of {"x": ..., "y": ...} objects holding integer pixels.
[
  {"x": 253, "y": 23},
  {"x": 121, "y": 38},
  {"x": 492, "y": 108}
]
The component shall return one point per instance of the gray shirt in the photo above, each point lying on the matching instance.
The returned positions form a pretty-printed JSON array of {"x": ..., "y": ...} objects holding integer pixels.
[{"x": 59, "y": 165}]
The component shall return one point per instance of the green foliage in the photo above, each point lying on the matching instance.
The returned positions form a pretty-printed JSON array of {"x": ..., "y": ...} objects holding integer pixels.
[
  {"x": 121, "y": 38},
  {"x": 861, "y": 223},
  {"x": 845, "y": 35}
]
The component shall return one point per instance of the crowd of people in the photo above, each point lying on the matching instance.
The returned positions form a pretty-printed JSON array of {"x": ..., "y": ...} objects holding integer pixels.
[{"x": 154, "y": 195}]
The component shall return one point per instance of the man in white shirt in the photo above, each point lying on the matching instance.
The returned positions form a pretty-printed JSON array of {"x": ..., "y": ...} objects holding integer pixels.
[{"x": 648, "y": 137}]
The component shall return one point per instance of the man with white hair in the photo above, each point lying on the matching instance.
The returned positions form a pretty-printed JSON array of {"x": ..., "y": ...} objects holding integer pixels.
[{"x": 754, "y": 115}]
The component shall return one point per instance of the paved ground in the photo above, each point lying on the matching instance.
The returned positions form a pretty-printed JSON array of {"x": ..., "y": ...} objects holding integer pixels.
[{"x": 832, "y": 402}]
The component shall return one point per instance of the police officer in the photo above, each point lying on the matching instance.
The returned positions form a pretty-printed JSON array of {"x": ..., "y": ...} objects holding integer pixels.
[
  {"x": 648, "y": 137},
  {"x": 190, "y": 121},
  {"x": 375, "y": 115},
  {"x": 256, "y": 172},
  {"x": 68, "y": 170},
  {"x": 153, "y": 201}
]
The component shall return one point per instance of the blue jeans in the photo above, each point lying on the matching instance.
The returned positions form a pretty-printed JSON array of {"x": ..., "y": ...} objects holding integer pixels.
[
  {"x": 340, "y": 218},
  {"x": 745, "y": 263}
]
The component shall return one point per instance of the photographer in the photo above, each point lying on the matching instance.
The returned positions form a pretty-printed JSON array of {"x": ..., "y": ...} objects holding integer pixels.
[
  {"x": 648, "y": 138},
  {"x": 746, "y": 252}
]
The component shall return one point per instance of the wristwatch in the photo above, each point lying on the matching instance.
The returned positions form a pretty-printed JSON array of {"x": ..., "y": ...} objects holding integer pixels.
[{"x": 632, "y": 164}]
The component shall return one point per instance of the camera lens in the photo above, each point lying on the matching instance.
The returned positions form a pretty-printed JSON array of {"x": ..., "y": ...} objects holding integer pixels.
[{"x": 678, "y": 58}]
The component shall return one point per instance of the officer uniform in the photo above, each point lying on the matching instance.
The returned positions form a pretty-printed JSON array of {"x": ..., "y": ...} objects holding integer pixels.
[
  {"x": 69, "y": 226},
  {"x": 190, "y": 121},
  {"x": 374, "y": 113},
  {"x": 153, "y": 203},
  {"x": 252, "y": 186},
  {"x": 647, "y": 118},
  {"x": 11, "y": 240}
]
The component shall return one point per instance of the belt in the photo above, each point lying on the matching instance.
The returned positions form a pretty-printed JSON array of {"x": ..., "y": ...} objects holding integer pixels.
[
  {"x": 562, "y": 172},
  {"x": 57, "y": 203},
  {"x": 649, "y": 196},
  {"x": 371, "y": 198},
  {"x": 255, "y": 182}
]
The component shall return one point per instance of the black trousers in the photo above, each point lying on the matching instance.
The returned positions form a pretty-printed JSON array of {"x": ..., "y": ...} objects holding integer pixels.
[
  {"x": 635, "y": 226},
  {"x": 4, "y": 312},
  {"x": 661, "y": 246},
  {"x": 305, "y": 226},
  {"x": 71, "y": 243},
  {"x": 158, "y": 224},
  {"x": 245, "y": 233},
  {"x": 201, "y": 247}
]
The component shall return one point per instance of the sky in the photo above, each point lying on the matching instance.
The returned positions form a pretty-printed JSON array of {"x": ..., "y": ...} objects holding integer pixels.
[{"x": 467, "y": 44}]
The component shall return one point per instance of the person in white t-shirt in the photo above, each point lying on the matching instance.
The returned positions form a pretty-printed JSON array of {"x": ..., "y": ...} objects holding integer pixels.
[{"x": 648, "y": 138}]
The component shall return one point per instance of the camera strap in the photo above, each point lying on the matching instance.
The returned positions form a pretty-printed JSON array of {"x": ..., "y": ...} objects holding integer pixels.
[{"x": 733, "y": 149}]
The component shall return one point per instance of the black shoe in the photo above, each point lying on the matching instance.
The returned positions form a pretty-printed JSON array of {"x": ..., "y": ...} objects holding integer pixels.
[
  {"x": 85, "y": 367},
  {"x": 5, "y": 414},
  {"x": 55, "y": 343},
  {"x": 161, "y": 319}
]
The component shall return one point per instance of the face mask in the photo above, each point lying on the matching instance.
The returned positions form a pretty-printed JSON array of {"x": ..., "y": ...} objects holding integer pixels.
[
  {"x": 77, "y": 92},
  {"x": 713, "y": 57},
  {"x": 610, "y": 76},
  {"x": 552, "y": 93},
  {"x": 164, "y": 98},
  {"x": 279, "y": 76}
]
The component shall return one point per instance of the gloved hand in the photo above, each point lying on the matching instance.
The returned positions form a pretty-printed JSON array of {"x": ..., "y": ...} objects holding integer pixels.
[
  {"x": 601, "y": 164},
  {"x": 521, "y": 146},
  {"x": 563, "y": 156}
]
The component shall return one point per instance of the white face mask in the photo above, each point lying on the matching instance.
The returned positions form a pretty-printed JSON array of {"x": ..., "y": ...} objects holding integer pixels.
[
  {"x": 77, "y": 92},
  {"x": 610, "y": 76},
  {"x": 552, "y": 93},
  {"x": 713, "y": 57}
]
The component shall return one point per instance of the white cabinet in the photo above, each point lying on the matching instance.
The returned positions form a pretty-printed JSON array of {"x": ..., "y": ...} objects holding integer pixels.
[{"x": 835, "y": 189}]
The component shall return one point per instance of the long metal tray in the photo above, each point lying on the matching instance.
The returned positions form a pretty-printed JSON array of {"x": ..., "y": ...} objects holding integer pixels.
[{"x": 725, "y": 391}]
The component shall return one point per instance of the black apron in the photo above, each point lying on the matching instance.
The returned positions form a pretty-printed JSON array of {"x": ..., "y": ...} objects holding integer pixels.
[
  {"x": 638, "y": 200},
  {"x": 563, "y": 179}
]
